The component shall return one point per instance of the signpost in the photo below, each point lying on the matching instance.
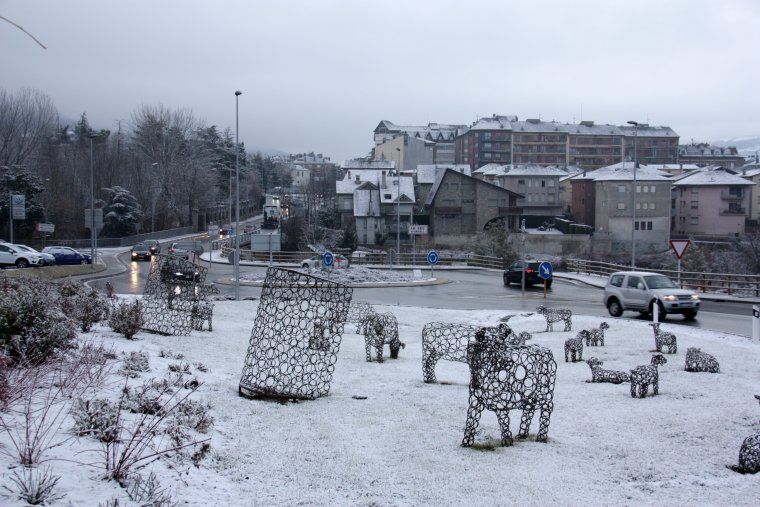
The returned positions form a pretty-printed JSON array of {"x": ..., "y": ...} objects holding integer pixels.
[
  {"x": 328, "y": 259},
  {"x": 679, "y": 247},
  {"x": 432, "y": 258},
  {"x": 45, "y": 229},
  {"x": 18, "y": 211},
  {"x": 545, "y": 271},
  {"x": 756, "y": 322},
  {"x": 414, "y": 231}
]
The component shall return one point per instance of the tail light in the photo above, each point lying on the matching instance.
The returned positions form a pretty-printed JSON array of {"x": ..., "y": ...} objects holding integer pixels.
[{"x": 529, "y": 270}]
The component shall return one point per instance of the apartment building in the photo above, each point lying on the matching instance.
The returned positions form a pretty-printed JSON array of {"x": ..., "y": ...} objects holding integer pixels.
[
  {"x": 605, "y": 199},
  {"x": 425, "y": 176},
  {"x": 462, "y": 206},
  {"x": 711, "y": 202},
  {"x": 407, "y": 151},
  {"x": 439, "y": 137},
  {"x": 751, "y": 173},
  {"x": 539, "y": 185},
  {"x": 704, "y": 154},
  {"x": 507, "y": 140}
]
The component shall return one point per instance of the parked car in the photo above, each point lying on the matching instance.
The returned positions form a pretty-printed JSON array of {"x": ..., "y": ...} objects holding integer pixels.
[
  {"x": 249, "y": 228},
  {"x": 641, "y": 290},
  {"x": 67, "y": 255},
  {"x": 316, "y": 262},
  {"x": 141, "y": 251},
  {"x": 183, "y": 249},
  {"x": 47, "y": 259},
  {"x": 225, "y": 230},
  {"x": 154, "y": 245},
  {"x": 514, "y": 273},
  {"x": 12, "y": 255}
]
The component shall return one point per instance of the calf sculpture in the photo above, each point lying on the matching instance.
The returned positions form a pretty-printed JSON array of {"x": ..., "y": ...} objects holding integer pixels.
[
  {"x": 381, "y": 329},
  {"x": 505, "y": 377},
  {"x": 697, "y": 361},
  {"x": 553, "y": 315},
  {"x": 647, "y": 375}
]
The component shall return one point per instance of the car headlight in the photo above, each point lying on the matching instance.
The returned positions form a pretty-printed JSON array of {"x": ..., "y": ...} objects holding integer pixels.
[
  {"x": 669, "y": 297},
  {"x": 694, "y": 297}
]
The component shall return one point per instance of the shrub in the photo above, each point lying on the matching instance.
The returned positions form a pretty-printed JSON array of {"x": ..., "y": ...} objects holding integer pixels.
[
  {"x": 134, "y": 364},
  {"x": 195, "y": 415},
  {"x": 147, "y": 398},
  {"x": 83, "y": 304},
  {"x": 148, "y": 491},
  {"x": 126, "y": 319},
  {"x": 180, "y": 367},
  {"x": 34, "y": 486},
  {"x": 98, "y": 418},
  {"x": 33, "y": 325}
]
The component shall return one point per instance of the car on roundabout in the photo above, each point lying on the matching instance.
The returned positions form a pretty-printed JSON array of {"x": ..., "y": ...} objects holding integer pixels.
[
  {"x": 154, "y": 245},
  {"x": 317, "y": 262},
  {"x": 141, "y": 252},
  {"x": 641, "y": 290},
  {"x": 514, "y": 273}
]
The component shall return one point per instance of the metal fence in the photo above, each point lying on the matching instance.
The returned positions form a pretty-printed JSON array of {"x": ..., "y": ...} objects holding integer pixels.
[
  {"x": 731, "y": 283},
  {"x": 115, "y": 242},
  {"x": 404, "y": 259}
]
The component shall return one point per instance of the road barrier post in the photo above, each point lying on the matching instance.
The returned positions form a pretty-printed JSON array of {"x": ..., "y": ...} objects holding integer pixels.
[{"x": 756, "y": 322}]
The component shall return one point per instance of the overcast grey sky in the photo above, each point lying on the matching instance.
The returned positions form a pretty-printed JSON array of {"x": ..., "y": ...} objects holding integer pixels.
[{"x": 319, "y": 75}]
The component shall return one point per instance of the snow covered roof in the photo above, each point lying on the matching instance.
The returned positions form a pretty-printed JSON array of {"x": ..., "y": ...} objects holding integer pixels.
[
  {"x": 623, "y": 171},
  {"x": 495, "y": 122},
  {"x": 502, "y": 122},
  {"x": 367, "y": 164},
  {"x": 349, "y": 184},
  {"x": 520, "y": 170},
  {"x": 709, "y": 177},
  {"x": 388, "y": 194},
  {"x": 431, "y": 131},
  {"x": 434, "y": 190},
  {"x": 649, "y": 131},
  {"x": 426, "y": 173},
  {"x": 707, "y": 150},
  {"x": 674, "y": 167}
]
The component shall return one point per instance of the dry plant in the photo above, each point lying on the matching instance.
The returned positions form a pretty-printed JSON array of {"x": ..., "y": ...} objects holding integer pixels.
[{"x": 34, "y": 486}]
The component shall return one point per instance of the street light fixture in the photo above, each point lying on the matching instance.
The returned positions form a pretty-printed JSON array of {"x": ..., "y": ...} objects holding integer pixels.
[
  {"x": 238, "y": 93},
  {"x": 153, "y": 199}
]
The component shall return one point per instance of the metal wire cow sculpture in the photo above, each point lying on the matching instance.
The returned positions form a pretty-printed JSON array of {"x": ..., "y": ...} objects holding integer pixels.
[
  {"x": 505, "y": 377},
  {"x": 296, "y": 336},
  {"x": 176, "y": 299}
]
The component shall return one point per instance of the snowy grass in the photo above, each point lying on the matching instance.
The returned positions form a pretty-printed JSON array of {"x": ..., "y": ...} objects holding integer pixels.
[
  {"x": 401, "y": 445},
  {"x": 353, "y": 275}
]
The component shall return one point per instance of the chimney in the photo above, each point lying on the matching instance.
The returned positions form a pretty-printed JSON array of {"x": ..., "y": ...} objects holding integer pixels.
[{"x": 382, "y": 180}]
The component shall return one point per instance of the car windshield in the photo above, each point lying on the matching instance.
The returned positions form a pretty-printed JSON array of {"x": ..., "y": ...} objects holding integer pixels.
[
  {"x": 660, "y": 282},
  {"x": 139, "y": 248}
]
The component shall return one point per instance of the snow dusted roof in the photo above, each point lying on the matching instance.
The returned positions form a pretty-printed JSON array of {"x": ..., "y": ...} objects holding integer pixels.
[
  {"x": 367, "y": 164},
  {"x": 426, "y": 173},
  {"x": 495, "y": 122},
  {"x": 431, "y": 131},
  {"x": 520, "y": 170},
  {"x": 503, "y": 122},
  {"x": 650, "y": 131},
  {"x": 623, "y": 171},
  {"x": 674, "y": 167},
  {"x": 392, "y": 184},
  {"x": 710, "y": 176},
  {"x": 434, "y": 190},
  {"x": 349, "y": 184}
]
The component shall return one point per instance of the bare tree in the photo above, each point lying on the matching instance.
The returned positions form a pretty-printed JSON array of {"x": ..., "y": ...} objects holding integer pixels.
[{"x": 26, "y": 119}]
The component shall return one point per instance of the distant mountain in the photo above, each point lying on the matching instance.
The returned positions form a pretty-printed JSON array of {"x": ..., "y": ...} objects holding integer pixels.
[{"x": 746, "y": 145}]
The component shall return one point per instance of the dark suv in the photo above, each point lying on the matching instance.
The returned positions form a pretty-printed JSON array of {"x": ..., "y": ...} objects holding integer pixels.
[{"x": 514, "y": 273}]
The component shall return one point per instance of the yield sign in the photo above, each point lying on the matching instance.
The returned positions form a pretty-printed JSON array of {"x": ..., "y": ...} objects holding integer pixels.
[{"x": 679, "y": 246}]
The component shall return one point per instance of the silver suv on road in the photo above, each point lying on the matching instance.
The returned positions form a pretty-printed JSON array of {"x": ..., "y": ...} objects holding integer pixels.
[{"x": 640, "y": 291}]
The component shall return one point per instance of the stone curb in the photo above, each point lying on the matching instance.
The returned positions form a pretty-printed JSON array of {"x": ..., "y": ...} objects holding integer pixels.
[{"x": 361, "y": 285}]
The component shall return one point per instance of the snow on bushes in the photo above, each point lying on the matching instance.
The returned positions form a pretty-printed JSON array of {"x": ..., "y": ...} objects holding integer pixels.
[
  {"x": 134, "y": 363},
  {"x": 85, "y": 305},
  {"x": 126, "y": 318}
]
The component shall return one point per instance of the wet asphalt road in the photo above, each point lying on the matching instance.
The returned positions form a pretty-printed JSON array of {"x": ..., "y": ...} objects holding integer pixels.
[{"x": 469, "y": 290}]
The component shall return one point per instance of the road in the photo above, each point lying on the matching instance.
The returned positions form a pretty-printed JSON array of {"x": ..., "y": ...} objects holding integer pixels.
[{"x": 468, "y": 290}]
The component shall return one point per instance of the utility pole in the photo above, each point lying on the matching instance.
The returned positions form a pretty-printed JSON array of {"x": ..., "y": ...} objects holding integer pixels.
[
  {"x": 398, "y": 209},
  {"x": 237, "y": 200},
  {"x": 636, "y": 126},
  {"x": 93, "y": 229}
]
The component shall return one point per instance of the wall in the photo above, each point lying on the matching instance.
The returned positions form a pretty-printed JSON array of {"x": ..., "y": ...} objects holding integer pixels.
[
  {"x": 541, "y": 193},
  {"x": 609, "y": 219},
  {"x": 413, "y": 152},
  {"x": 584, "y": 201},
  {"x": 710, "y": 204}
]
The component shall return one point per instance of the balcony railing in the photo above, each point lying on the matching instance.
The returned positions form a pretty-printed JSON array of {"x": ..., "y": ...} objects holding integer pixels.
[
  {"x": 731, "y": 196},
  {"x": 448, "y": 209},
  {"x": 735, "y": 211}
]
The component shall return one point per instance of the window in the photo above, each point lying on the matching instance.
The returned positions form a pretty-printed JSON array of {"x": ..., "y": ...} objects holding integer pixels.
[
  {"x": 487, "y": 154},
  {"x": 521, "y": 182},
  {"x": 551, "y": 199},
  {"x": 543, "y": 183},
  {"x": 551, "y": 183},
  {"x": 621, "y": 189},
  {"x": 694, "y": 220},
  {"x": 492, "y": 203},
  {"x": 694, "y": 190},
  {"x": 387, "y": 196},
  {"x": 468, "y": 201},
  {"x": 530, "y": 183},
  {"x": 634, "y": 281},
  {"x": 638, "y": 205},
  {"x": 651, "y": 189},
  {"x": 621, "y": 205},
  {"x": 694, "y": 204},
  {"x": 649, "y": 226},
  {"x": 616, "y": 280},
  {"x": 638, "y": 189},
  {"x": 636, "y": 225},
  {"x": 651, "y": 205}
]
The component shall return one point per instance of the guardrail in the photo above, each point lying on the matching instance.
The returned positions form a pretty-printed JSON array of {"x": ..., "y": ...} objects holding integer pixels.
[
  {"x": 229, "y": 241},
  {"x": 404, "y": 259},
  {"x": 704, "y": 282}
]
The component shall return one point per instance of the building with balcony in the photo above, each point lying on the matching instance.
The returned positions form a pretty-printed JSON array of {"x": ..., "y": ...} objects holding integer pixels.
[
  {"x": 507, "y": 140},
  {"x": 461, "y": 206},
  {"x": 710, "y": 202},
  {"x": 538, "y": 184},
  {"x": 751, "y": 173},
  {"x": 605, "y": 200},
  {"x": 703, "y": 154}
]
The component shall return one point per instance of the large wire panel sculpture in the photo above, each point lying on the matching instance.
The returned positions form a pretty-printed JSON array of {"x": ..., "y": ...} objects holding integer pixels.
[
  {"x": 749, "y": 453},
  {"x": 296, "y": 336},
  {"x": 505, "y": 377},
  {"x": 175, "y": 296},
  {"x": 358, "y": 312},
  {"x": 444, "y": 340}
]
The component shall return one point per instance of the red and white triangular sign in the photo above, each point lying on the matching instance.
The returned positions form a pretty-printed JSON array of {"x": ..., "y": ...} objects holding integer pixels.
[{"x": 679, "y": 246}]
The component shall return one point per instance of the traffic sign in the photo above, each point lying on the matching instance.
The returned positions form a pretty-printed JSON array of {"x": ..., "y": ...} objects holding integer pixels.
[
  {"x": 18, "y": 202},
  {"x": 545, "y": 270},
  {"x": 45, "y": 227},
  {"x": 329, "y": 259},
  {"x": 432, "y": 257},
  {"x": 418, "y": 230},
  {"x": 679, "y": 246}
]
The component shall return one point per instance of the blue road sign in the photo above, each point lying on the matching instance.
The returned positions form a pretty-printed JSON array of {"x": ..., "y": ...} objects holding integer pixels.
[
  {"x": 545, "y": 270},
  {"x": 329, "y": 259},
  {"x": 432, "y": 257}
]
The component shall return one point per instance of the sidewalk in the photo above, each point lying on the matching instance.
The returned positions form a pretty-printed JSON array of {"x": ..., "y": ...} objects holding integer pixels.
[{"x": 600, "y": 281}]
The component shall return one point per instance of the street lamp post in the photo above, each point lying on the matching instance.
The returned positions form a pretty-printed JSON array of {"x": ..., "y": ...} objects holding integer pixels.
[
  {"x": 153, "y": 200},
  {"x": 398, "y": 208},
  {"x": 636, "y": 126},
  {"x": 237, "y": 199},
  {"x": 93, "y": 229}
]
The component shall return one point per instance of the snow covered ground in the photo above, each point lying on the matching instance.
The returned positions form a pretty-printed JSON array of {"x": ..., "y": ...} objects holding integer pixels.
[
  {"x": 401, "y": 445},
  {"x": 356, "y": 275}
]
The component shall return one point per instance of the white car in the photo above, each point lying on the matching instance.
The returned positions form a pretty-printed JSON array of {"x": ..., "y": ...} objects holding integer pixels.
[
  {"x": 11, "y": 255},
  {"x": 316, "y": 262},
  {"x": 47, "y": 259},
  {"x": 641, "y": 290}
]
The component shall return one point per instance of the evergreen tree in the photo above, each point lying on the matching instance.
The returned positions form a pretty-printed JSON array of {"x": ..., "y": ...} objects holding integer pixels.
[{"x": 121, "y": 214}]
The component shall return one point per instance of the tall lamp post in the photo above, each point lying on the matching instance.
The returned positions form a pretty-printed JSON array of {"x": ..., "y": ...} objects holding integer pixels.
[
  {"x": 398, "y": 208},
  {"x": 153, "y": 199},
  {"x": 93, "y": 229},
  {"x": 636, "y": 126},
  {"x": 238, "y": 93}
]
